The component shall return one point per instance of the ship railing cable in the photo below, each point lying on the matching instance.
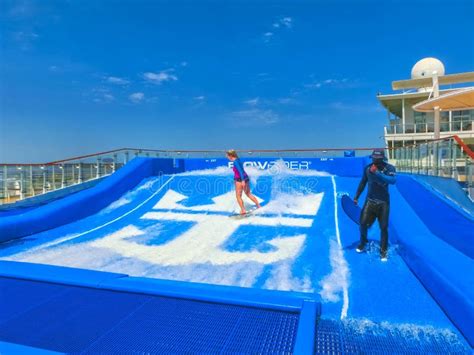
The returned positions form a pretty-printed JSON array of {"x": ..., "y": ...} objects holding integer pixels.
[{"x": 19, "y": 181}]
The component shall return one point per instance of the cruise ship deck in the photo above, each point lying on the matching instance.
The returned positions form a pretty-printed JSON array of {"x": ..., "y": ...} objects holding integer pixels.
[{"x": 148, "y": 261}]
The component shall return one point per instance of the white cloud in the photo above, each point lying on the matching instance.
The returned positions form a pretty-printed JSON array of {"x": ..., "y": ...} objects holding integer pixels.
[
  {"x": 283, "y": 22},
  {"x": 254, "y": 117},
  {"x": 184, "y": 64},
  {"x": 267, "y": 36},
  {"x": 252, "y": 102},
  {"x": 279, "y": 25},
  {"x": 286, "y": 100},
  {"x": 109, "y": 97},
  {"x": 199, "y": 98},
  {"x": 287, "y": 22},
  {"x": 137, "y": 97},
  {"x": 25, "y": 39},
  {"x": 25, "y": 36},
  {"x": 354, "y": 107},
  {"x": 116, "y": 80},
  {"x": 158, "y": 78},
  {"x": 339, "y": 83},
  {"x": 103, "y": 96}
]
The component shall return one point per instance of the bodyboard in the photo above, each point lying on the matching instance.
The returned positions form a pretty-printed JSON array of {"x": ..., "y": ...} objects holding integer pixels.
[{"x": 352, "y": 210}]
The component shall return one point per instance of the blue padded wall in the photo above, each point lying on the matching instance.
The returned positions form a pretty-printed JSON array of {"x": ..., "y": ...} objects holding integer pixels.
[
  {"x": 337, "y": 166},
  {"x": 443, "y": 219},
  {"x": 449, "y": 190},
  {"x": 443, "y": 270},
  {"x": 83, "y": 203},
  {"x": 87, "y": 202}
]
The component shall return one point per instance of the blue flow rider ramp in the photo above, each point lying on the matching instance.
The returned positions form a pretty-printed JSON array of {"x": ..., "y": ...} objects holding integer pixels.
[{"x": 157, "y": 220}]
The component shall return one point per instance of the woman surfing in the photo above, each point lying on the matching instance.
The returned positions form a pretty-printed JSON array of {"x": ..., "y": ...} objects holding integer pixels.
[{"x": 241, "y": 180}]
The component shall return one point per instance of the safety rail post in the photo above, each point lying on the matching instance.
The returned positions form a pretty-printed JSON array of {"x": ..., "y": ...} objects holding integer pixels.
[
  {"x": 405, "y": 159},
  {"x": 44, "y": 179},
  {"x": 5, "y": 183},
  {"x": 419, "y": 161},
  {"x": 98, "y": 168},
  {"x": 21, "y": 183},
  {"x": 428, "y": 157},
  {"x": 53, "y": 176},
  {"x": 454, "y": 168},
  {"x": 402, "y": 158},
  {"x": 470, "y": 178},
  {"x": 114, "y": 164},
  {"x": 30, "y": 183},
  {"x": 79, "y": 177},
  {"x": 63, "y": 176},
  {"x": 450, "y": 159},
  {"x": 466, "y": 172},
  {"x": 411, "y": 159}
]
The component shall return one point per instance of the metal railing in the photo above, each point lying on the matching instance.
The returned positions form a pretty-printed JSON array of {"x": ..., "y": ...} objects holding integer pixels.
[
  {"x": 446, "y": 157},
  {"x": 19, "y": 181},
  {"x": 420, "y": 128}
]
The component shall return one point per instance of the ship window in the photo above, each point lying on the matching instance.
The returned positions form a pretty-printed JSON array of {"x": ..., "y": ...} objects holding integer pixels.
[
  {"x": 420, "y": 122},
  {"x": 444, "y": 124},
  {"x": 462, "y": 120}
]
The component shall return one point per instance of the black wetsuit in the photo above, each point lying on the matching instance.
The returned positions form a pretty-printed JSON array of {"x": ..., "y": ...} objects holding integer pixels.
[{"x": 377, "y": 204}]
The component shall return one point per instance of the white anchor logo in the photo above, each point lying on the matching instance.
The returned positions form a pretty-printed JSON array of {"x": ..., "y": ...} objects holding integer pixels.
[{"x": 202, "y": 242}]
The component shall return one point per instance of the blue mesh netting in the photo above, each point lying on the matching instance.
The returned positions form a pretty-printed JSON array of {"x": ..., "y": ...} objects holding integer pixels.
[
  {"x": 365, "y": 337},
  {"x": 77, "y": 319}
]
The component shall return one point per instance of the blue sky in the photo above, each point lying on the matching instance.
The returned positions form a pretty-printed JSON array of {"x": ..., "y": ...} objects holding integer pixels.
[{"x": 83, "y": 76}]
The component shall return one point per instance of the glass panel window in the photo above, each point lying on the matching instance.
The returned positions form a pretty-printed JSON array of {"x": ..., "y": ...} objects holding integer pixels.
[
  {"x": 444, "y": 124},
  {"x": 463, "y": 120},
  {"x": 420, "y": 122}
]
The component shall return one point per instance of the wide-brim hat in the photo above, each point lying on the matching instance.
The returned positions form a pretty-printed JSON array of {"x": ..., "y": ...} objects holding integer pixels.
[{"x": 378, "y": 154}]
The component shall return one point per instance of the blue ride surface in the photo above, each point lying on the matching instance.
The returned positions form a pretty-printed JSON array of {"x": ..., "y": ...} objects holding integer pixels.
[{"x": 168, "y": 220}]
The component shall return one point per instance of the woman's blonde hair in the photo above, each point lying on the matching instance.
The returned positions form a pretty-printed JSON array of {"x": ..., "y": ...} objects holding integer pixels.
[{"x": 232, "y": 153}]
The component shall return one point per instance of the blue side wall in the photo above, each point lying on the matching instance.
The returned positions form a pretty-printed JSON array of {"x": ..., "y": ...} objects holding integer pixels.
[
  {"x": 449, "y": 190},
  {"x": 83, "y": 203},
  {"x": 90, "y": 201},
  {"x": 443, "y": 219},
  {"x": 32, "y": 202},
  {"x": 442, "y": 269}
]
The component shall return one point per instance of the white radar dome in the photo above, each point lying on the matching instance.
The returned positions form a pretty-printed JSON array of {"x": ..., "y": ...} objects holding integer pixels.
[{"x": 426, "y": 68}]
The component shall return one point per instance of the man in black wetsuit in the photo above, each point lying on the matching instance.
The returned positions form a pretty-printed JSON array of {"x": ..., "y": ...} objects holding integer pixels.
[{"x": 378, "y": 175}]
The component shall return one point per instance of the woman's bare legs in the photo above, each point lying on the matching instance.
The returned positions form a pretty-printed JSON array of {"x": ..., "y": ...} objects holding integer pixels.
[
  {"x": 238, "y": 193},
  {"x": 249, "y": 194}
]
